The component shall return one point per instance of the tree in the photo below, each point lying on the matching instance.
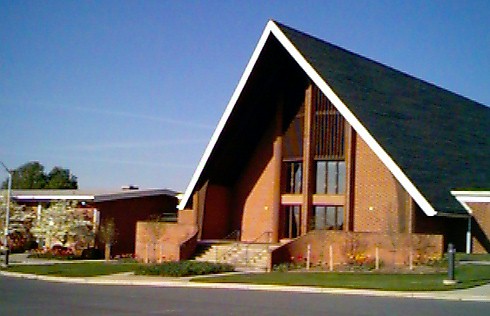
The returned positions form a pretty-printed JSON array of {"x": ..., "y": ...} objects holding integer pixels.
[
  {"x": 31, "y": 175},
  {"x": 64, "y": 223},
  {"x": 20, "y": 218},
  {"x": 108, "y": 236},
  {"x": 59, "y": 178},
  {"x": 28, "y": 176}
]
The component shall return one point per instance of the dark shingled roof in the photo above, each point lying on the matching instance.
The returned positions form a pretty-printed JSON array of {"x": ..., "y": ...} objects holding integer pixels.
[{"x": 439, "y": 139}]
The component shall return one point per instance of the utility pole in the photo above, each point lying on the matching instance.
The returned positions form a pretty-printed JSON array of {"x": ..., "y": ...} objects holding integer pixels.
[{"x": 7, "y": 215}]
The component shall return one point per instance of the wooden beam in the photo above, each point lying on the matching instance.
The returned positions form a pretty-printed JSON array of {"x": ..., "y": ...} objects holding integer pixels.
[
  {"x": 308, "y": 162},
  {"x": 276, "y": 185}
]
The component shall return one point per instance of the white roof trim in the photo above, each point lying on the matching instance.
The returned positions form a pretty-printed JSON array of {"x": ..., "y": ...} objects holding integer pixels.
[
  {"x": 465, "y": 197},
  {"x": 53, "y": 197},
  {"x": 226, "y": 115},
  {"x": 325, "y": 88}
]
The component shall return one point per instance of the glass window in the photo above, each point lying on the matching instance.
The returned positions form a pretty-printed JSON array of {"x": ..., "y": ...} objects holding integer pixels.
[
  {"x": 292, "y": 221},
  {"x": 329, "y": 217},
  {"x": 321, "y": 185},
  {"x": 294, "y": 176},
  {"x": 330, "y": 177}
]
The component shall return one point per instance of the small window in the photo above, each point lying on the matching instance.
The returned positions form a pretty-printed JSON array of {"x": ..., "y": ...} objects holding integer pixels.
[{"x": 330, "y": 177}]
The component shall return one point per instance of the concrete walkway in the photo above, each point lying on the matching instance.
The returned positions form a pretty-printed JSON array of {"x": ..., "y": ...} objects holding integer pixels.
[{"x": 480, "y": 293}]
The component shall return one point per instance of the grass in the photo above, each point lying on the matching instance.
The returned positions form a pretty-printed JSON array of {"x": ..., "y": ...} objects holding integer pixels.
[
  {"x": 469, "y": 275},
  {"x": 472, "y": 257},
  {"x": 85, "y": 269}
]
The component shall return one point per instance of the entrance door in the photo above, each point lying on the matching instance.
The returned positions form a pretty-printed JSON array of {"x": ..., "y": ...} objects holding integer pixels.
[{"x": 292, "y": 221}]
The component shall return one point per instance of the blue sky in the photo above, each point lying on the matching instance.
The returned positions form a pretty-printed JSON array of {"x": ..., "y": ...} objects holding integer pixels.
[{"x": 129, "y": 92}]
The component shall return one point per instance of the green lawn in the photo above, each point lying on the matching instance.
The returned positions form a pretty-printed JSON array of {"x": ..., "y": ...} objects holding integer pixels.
[
  {"x": 85, "y": 269},
  {"x": 469, "y": 276}
]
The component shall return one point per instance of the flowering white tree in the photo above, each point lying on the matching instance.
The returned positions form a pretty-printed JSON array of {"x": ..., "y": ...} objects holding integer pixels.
[
  {"x": 63, "y": 222},
  {"x": 20, "y": 218}
]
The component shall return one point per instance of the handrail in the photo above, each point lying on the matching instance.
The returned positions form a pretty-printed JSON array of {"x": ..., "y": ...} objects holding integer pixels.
[
  {"x": 233, "y": 233},
  {"x": 269, "y": 235}
]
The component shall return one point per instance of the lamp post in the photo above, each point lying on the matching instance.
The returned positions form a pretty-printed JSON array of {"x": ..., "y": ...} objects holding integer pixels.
[{"x": 7, "y": 215}]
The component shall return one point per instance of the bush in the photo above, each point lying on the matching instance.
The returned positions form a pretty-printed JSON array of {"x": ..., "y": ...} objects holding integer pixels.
[
  {"x": 184, "y": 268},
  {"x": 57, "y": 252},
  {"x": 92, "y": 254}
]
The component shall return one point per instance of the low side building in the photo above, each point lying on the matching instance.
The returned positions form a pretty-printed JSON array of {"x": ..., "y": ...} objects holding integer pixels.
[{"x": 125, "y": 207}]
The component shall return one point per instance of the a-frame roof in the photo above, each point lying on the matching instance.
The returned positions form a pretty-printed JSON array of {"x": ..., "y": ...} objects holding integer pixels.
[{"x": 432, "y": 140}]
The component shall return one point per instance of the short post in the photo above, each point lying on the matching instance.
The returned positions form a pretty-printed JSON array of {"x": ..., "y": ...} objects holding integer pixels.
[
  {"x": 410, "y": 259},
  {"x": 330, "y": 257},
  {"x": 451, "y": 251},
  {"x": 308, "y": 257},
  {"x": 246, "y": 255},
  {"x": 377, "y": 258}
]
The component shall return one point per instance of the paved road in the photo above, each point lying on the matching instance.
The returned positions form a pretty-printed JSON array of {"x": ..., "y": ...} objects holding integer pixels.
[{"x": 34, "y": 297}]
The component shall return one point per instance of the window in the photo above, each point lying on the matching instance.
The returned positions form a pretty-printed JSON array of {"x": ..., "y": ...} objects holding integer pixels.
[
  {"x": 330, "y": 177},
  {"x": 294, "y": 176},
  {"x": 328, "y": 217},
  {"x": 292, "y": 221}
]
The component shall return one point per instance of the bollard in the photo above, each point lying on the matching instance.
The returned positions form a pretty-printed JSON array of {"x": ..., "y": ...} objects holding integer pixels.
[
  {"x": 450, "y": 261},
  {"x": 451, "y": 251}
]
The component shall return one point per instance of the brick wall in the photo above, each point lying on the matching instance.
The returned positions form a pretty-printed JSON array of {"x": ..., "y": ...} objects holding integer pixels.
[
  {"x": 126, "y": 212},
  {"x": 157, "y": 241},
  {"x": 380, "y": 203},
  {"x": 216, "y": 220},
  {"x": 253, "y": 192},
  {"x": 480, "y": 227},
  {"x": 394, "y": 249}
]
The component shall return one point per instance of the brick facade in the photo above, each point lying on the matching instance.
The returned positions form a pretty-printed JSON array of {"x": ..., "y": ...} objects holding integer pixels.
[
  {"x": 380, "y": 203},
  {"x": 393, "y": 249},
  {"x": 480, "y": 227},
  {"x": 159, "y": 241}
]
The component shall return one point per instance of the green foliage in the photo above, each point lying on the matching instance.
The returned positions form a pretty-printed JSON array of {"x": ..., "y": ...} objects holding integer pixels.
[
  {"x": 184, "y": 268},
  {"x": 31, "y": 175},
  {"x": 59, "y": 178},
  {"x": 107, "y": 233}
]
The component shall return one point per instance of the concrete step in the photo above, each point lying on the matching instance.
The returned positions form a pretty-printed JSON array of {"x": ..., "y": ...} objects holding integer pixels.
[{"x": 250, "y": 256}]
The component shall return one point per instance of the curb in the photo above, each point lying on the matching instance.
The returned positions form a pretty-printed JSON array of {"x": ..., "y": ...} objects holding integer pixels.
[{"x": 450, "y": 295}]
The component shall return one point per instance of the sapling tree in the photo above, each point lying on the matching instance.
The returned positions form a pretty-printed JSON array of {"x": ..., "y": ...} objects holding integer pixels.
[{"x": 107, "y": 235}]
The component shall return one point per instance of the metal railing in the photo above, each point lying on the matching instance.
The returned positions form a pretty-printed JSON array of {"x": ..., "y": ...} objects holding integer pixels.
[{"x": 235, "y": 248}]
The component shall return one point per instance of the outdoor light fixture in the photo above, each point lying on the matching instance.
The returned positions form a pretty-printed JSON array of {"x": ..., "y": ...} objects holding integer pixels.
[{"x": 7, "y": 215}]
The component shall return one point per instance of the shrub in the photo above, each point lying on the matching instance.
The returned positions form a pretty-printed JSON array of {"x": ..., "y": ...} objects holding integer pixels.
[
  {"x": 184, "y": 268},
  {"x": 92, "y": 254}
]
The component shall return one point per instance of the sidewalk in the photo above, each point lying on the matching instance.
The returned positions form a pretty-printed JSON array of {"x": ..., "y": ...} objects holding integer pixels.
[{"x": 480, "y": 293}]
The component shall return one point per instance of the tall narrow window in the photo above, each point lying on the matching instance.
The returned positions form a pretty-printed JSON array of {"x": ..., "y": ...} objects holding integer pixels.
[
  {"x": 292, "y": 221},
  {"x": 294, "y": 176}
]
